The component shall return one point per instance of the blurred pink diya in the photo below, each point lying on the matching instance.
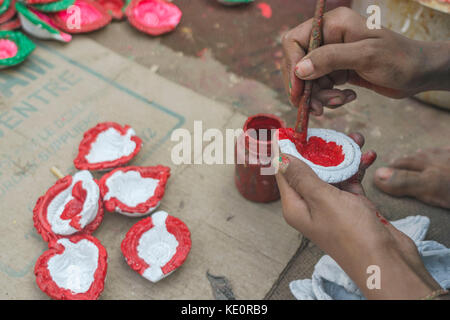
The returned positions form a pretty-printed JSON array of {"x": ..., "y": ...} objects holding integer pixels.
[
  {"x": 72, "y": 268},
  {"x": 8, "y": 49},
  {"x": 156, "y": 246},
  {"x": 332, "y": 155},
  {"x": 134, "y": 191},
  {"x": 154, "y": 17},
  {"x": 70, "y": 207},
  {"x": 113, "y": 7},
  {"x": 92, "y": 17},
  {"x": 106, "y": 146}
]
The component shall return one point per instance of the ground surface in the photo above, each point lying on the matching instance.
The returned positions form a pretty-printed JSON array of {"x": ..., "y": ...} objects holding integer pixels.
[{"x": 232, "y": 55}]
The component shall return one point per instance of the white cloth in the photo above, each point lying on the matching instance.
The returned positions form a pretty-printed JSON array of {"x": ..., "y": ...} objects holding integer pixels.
[{"x": 330, "y": 282}]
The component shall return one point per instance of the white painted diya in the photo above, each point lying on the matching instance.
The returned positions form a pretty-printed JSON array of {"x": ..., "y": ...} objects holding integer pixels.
[
  {"x": 156, "y": 246},
  {"x": 332, "y": 155},
  {"x": 71, "y": 206},
  {"x": 153, "y": 17},
  {"x": 134, "y": 191},
  {"x": 106, "y": 146},
  {"x": 72, "y": 268}
]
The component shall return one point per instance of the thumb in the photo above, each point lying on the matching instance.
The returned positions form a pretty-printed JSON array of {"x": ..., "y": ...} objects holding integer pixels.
[
  {"x": 302, "y": 179},
  {"x": 329, "y": 58}
]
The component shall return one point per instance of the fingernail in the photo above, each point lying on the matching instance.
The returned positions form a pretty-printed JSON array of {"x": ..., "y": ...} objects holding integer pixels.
[
  {"x": 284, "y": 163},
  {"x": 304, "y": 68},
  {"x": 335, "y": 101},
  {"x": 384, "y": 173},
  {"x": 350, "y": 97}
]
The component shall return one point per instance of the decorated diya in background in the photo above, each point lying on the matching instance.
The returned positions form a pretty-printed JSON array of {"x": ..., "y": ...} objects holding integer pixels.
[
  {"x": 134, "y": 191},
  {"x": 332, "y": 155},
  {"x": 39, "y": 25},
  {"x": 53, "y": 6},
  {"x": 153, "y": 17},
  {"x": 92, "y": 17},
  {"x": 114, "y": 8},
  {"x": 156, "y": 246},
  {"x": 106, "y": 146},
  {"x": 72, "y": 206},
  {"x": 7, "y": 10},
  {"x": 12, "y": 24},
  {"x": 14, "y": 48},
  {"x": 72, "y": 268}
]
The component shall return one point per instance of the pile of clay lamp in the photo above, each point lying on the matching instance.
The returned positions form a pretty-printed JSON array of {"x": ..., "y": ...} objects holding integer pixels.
[
  {"x": 59, "y": 19},
  {"x": 75, "y": 265}
]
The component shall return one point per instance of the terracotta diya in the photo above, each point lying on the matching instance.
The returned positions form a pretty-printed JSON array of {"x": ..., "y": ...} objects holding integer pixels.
[
  {"x": 156, "y": 246},
  {"x": 153, "y": 17},
  {"x": 332, "y": 155},
  {"x": 70, "y": 207},
  {"x": 40, "y": 25},
  {"x": 106, "y": 146},
  {"x": 7, "y": 10},
  {"x": 114, "y": 8},
  {"x": 92, "y": 17},
  {"x": 14, "y": 48},
  {"x": 134, "y": 191},
  {"x": 72, "y": 268},
  {"x": 53, "y": 6}
]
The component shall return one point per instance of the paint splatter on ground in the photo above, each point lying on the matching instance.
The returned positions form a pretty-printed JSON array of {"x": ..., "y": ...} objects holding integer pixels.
[{"x": 266, "y": 10}]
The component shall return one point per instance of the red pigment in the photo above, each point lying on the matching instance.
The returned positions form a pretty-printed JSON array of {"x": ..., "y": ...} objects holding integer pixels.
[
  {"x": 316, "y": 150},
  {"x": 8, "y": 49},
  {"x": 266, "y": 10},
  {"x": 74, "y": 207},
  {"x": 88, "y": 13}
]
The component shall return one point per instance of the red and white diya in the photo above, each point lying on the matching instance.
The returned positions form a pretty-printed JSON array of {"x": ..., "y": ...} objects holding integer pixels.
[
  {"x": 134, "y": 191},
  {"x": 72, "y": 268},
  {"x": 106, "y": 146},
  {"x": 92, "y": 16},
  {"x": 154, "y": 17},
  {"x": 157, "y": 245},
  {"x": 70, "y": 207},
  {"x": 332, "y": 155}
]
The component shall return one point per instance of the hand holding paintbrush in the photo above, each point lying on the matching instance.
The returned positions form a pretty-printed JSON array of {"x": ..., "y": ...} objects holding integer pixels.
[{"x": 301, "y": 125}]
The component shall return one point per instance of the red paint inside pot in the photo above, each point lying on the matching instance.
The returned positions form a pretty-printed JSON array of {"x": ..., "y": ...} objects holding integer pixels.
[
  {"x": 260, "y": 123},
  {"x": 75, "y": 206},
  {"x": 88, "y": 13},
  {"x": 8, "y": 49},
  {"x": 316, "y": 150}
]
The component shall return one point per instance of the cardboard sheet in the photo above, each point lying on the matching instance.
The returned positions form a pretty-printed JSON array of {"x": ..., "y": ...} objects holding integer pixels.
[{"x": 45, "y": 106}]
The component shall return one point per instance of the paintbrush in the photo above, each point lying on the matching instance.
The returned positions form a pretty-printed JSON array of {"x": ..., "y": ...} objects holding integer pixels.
[{"x": 315, "y": 40}]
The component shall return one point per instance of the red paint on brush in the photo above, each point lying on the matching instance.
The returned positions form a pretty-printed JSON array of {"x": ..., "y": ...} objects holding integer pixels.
[
  {"x": 316, "y": 150},
  {"x": 266, "y": 10},
  {"x": 8, "y": 49},
  {"x": 74, "y": 207}
]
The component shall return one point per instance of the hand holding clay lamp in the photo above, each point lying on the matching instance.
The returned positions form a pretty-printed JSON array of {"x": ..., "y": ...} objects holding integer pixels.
[
  {"x": 93, "y": 16},
  {"x": 106, "y": 146},
  {"x": 72, "y": 268},
  {"x": 134, "y": 191},
  {"x": 333, "y": 156},
  {"x": 39, "y": 25},
  {"x": 14, "y": 48},
  {"x": 156, "y": 246},
  {"x": 70, "y": 207},
  {"x": 253, "y": 152},
  {"x": 153, "y": 17}
]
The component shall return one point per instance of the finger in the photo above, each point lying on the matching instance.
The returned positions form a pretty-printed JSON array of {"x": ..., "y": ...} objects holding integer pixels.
[
  {"x": 295, "y": 210},
  {"x": 415, "y": 163},
  {"x": 316, "y": 107},
  {"x": 354, "y": 184},
  {"x": 304, "y": 181},
  {"x": 329, "y": 58},
  {"x": 398, "y": 182},
  {"x": 358, "y": 138},
  {"x": 293, "y": 53}
]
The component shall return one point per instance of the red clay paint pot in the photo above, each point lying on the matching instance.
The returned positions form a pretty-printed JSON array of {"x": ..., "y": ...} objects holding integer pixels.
[{"x": 257, "y": 150}]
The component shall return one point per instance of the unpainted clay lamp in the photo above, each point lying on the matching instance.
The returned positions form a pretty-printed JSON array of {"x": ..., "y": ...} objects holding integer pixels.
[
  {"x": 15, "y": 47},
  {"x": 72, "y": 268},
  {"x": 134, "y": 191},
  {"x": 153, "y": 17},
  {"x": 156, "y": 246},
  {"x": 39, "y": 25},
  {"x": 114, "y": 8},
  {"x": 7, "y": 10},
  {"x": 106, "y": 146},
  {"x": 332, "y": 155},
  {"x": 53, "y": 6},
  {"x": 70, "y": 207},
  {"x": 92, "y": 17}
]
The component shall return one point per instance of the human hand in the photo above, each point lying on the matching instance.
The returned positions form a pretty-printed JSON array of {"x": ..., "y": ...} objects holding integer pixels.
[
  {"x": 380, "y": 60},
  {"x": 347, "y": 226}
]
